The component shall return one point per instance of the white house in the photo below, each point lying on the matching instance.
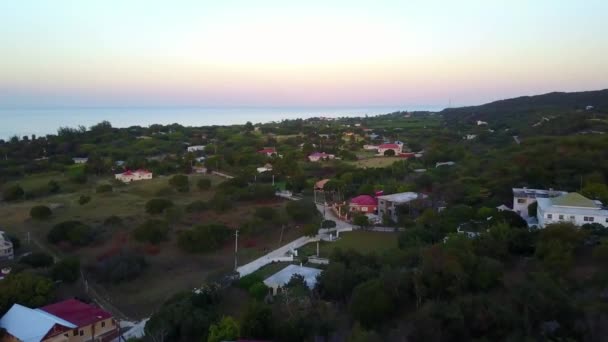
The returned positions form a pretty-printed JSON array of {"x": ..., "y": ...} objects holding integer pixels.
[
  {"x": 317, "y": 156},
  {"x": 448, "y": 163},
  {"x": 523, "y": 197},
  {"x": 571, "y": 207},
  {"x": 470, "y": 136},
  {"x": 80, "y": 160},
  {"x": 196, "y": 148},
  {"x": 481, "y": 123},
  {"x": 6, "y": 247},
  {"x": 283, "y": 276},
  {"x": 370, "y": 147},
  {"x": 132, "y": 176},
  {"x": 387, "y": 203},
  {"x": 265, "y": 168}
]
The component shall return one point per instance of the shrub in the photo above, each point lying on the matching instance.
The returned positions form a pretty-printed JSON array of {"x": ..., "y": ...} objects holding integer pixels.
[
  {"x": 180, "y": 183},
  {"x": 328, "y": 224},
  {"x": 121, "y": 267},
  {"x": 265, "y": 213},
  {"x": 153, "y": 231},
  {"x": 203, "y": 184},
  {"x": 74, "y": 232},
  {"x": 40, "y": 212},
  {"x": 66, "y": 270},
  {"x": 258, "y": 290},
  {"x": 164, "y": 191},
  {"x": 78, "y": 178},
  {"x": 37, "y": 259},
  {"x": 104, "y": 188},
  {"x": 12, "y": 193},
  {"x": 112, "y": 221},
  {"x": 53, "y": 187},
  {"x": 197, "y": 206},
  {"x": 247, "y": 281},
  {"x": 158, "y": 205},
  {"x": 84, "y": 199},
  {"x": 302, "y": 211},
  {"x": 389, "y": 153},
  {"x": 221, "y": 203},
  {"x": 203, "y": 238}
]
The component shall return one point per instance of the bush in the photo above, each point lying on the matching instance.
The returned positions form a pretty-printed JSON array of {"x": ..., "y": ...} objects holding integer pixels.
[
  {"x": 112, "y": 221},
  {"x": 203, "y": 238},
  {"x": 66, "y": 270},
  {"x": 221, "y": 203},
  {"x": 74, "y": 232},
  {"x": 247, "y": 281},
  {"x": 12, "y": 193},
  {"x": 389, "y": 153},
  {"x": 226, "y": 330},
  {"x": 104, "y": 188},
  {"x": 53, "y": 187},
  {"x": 121, "y": 267},
  {"x": 197, "y": 206},
  {"x": 37, "y": 259},
  {"x": 203, "y": 184},
  {"x": 153, "y": 231},
  {"x": 302, "y": 211},
  {"x": 266, "y": 213},
  {"x": 78, "y": 178},
  {"x": 258, "y": 290},
  {"x": 328, "y": 224},
  {"x": 40, "y": 212},
  {"x": 180, "y": 183},
  {"x": 84, "y": 199},
  {"x": 158, "y": 205}
]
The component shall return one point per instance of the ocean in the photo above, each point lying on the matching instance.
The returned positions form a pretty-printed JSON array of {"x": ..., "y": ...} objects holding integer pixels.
[{"x": 41, "y": 122}]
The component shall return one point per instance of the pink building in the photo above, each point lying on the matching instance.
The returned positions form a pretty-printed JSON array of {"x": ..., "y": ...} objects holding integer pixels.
[
  {"x": 364, "y": 204},
  {"x": 385, "y": 147}
]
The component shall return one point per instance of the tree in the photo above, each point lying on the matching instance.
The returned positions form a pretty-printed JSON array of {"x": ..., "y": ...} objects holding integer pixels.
[
  {"x": 12, "y": 193},
  {"x": 310, "y": 229},
  {"x": 302, "y": 211},
  {"x": 66, "y": 270},
  {"x": 389, "y": 153},
  {"x": 53, "y": 187},
  {"x": 226, "y": 330},
  {"x": 84, "y": 199},
  {"x": 370, "y": 303},
  {"x": 40, "y": 212},
  {"x": 203, "y": 184},
  {"x": 328, "y": 224},
  {"x": 158, "y": 205},
  {"x": 37, "y": 259},
  {"x": 203, "y": 238},
  {"x": 361, "y": 220},
  {"x": 25, "y": 288},
  {"x": 153, "y": 231},
  {"x": 180, "y": 183},
  {"x": 598, "y": 191},
  {"x": 197, "y": 206},
  {"x": 257, "y": 321},
  {"x": 125, "y": 266},
  {"x": 74, "y": 232}
]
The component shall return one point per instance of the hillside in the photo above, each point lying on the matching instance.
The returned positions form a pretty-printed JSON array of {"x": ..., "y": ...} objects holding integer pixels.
[{"x": 556, "y": 113}]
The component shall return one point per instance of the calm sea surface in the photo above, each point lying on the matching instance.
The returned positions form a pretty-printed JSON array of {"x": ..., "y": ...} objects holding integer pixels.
[{"x": 46, "y": 121}]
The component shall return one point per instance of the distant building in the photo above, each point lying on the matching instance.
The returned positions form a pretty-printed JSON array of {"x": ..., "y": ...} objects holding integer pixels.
[
  {"x": 386, "y": 147},
  {"x": 363, "y": 204},
  {"x": 481, "y": 123},
  {"x": 571, "y": 207},
  {"x": 6, "y": 247},
  {"x": 282, "y": 277},
  {"x": 387, "y": 204},
  {"x": 370, "y": 147},
  {"x": 470, "y": 136},
  {"x": 265, "y": 168},
  {"x": 196, "y": 148},
  {"x": 132, "y": 176},
  {"x": 80, "y": 160},
  {"x": 268, "y": 151},
  {"x": 69, "y": 321},
  {"x": 523, "y": 197},
  {"x": 317, "y": 156},
  {"x": 448, "y": 163},
  {"x": 589, "y": 108}
]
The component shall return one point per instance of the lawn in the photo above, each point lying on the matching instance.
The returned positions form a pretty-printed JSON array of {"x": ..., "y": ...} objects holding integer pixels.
[
  {"x": 375, "y": 162},
  {"x": 362, "y": 241}
]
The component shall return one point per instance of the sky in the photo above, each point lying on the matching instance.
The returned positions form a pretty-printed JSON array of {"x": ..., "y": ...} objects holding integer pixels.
[{"x": 61, "y": 53}]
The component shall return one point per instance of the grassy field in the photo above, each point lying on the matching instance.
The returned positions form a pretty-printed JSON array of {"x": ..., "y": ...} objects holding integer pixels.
[
  {"x": 362, "y": 241},
  {"x": 375, "y": 162},
  {"x": 170, "y": 270}
]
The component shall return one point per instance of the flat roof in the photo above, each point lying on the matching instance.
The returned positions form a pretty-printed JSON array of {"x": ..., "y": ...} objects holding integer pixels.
[
  {"x": 537, "y": 193},
  {"x": 401, "y": 197}
]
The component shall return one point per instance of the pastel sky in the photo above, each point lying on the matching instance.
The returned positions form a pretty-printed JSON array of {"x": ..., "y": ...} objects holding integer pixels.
[{"x": 297, "y": 53}]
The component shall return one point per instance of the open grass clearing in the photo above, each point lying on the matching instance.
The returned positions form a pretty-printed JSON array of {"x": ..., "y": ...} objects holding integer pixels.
[{"x": 365, "y": 242}]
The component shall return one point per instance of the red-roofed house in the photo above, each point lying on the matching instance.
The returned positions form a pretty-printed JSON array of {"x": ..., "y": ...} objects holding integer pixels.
[
  {"x": 268, "y": 151},
  {"x": 363, "y": 203},
  {"x": 385, "y": 147},
  {"x": 130, "y": 176},
  {"x": 92, "y": 323}
]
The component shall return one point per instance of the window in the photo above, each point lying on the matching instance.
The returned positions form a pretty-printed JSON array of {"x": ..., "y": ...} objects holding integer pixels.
[
  {"x": 521, "y": 200},
  {"x": 588, "y": 218},
  {"x": 561, "y": 217},
  {"x": 572, "y": 218},
  {"x": 363, "y": 208},
  {"x": 549, "y": 216},
  {"x": 75, "y": 332},
  {"x": 81, "y": 332},
  {"x": 103, "y": 324}
]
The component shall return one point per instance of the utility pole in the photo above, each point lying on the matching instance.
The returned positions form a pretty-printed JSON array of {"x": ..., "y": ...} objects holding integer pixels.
[{"x": 236, "y": 248}]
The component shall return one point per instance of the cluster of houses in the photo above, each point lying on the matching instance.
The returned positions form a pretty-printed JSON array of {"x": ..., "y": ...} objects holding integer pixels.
[
  {"x": 67, "y": 321},
  {"x": 557, "y": 206}
]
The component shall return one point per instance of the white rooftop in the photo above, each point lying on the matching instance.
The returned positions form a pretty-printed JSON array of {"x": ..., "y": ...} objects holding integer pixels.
[
  {"x": 547, "y": 205},
  {"x": 401, "y": 197},
  {"x": 30, "y": 325},
  {"x": 283, "y": 276}
]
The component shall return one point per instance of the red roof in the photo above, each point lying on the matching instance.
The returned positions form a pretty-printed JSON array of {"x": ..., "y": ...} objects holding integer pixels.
[
  {"x": 77, "y": 312},
  {"x": 267, "y": 150},
  {"x": 364, "y": 200},
  {"x": 389, "y": 146}
]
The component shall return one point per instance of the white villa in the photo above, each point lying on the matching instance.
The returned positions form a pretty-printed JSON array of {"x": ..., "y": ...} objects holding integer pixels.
[
  {"x": 387, "y": 203},
  {"x": 196, "y": 148},
  {"x": 571, "y": 207},
  {"x": 80, "y": 160},
  {"x": 523, "y": 197},
  {"x": 6, "y": 247},
  {"x": 265, "y": 168},
  {"x": 132, "y": 176}
]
